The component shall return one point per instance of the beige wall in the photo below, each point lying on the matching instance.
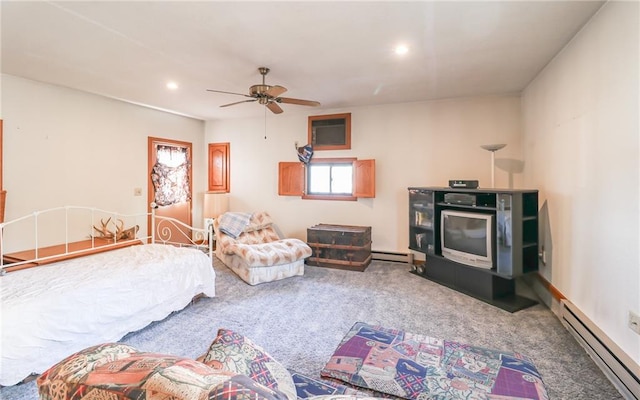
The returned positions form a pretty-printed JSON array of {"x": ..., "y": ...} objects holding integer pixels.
[
  {"x": 576, "y": 135},
  {"x": 65, "y": 147},
  {"x": 581, "y": 141},
  {"x": 414, "y": 144}
]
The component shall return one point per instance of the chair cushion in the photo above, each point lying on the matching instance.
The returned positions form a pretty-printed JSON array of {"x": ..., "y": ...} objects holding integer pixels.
[
  {"x": 259, "y": 220},
  {"x": 118, "y": 372},
  {"x": 230, "y": 351},
  {"x": 273, "y": 253}
]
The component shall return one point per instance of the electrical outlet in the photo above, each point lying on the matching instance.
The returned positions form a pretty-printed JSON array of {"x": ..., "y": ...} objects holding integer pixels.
[
  {"x": 634, "y": 322},
  {"x": 542, "y": 255}
]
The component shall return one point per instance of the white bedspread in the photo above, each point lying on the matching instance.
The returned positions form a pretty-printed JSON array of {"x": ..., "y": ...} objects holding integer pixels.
[{"x": 50, "y": 312}]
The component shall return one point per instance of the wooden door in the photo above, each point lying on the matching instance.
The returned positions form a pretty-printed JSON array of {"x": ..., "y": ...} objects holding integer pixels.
[{"x": 170, "y": 183}]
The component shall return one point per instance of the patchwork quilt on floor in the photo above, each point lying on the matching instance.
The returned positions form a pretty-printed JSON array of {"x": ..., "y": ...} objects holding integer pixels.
[
  {"x": 418, "y": 367},
  {"x": 307, "y": 386}
]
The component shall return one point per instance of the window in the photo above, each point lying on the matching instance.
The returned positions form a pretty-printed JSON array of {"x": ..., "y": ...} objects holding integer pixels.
[
  {"x": 170, "y": 175},
  {"x": 328, "y": 179}
]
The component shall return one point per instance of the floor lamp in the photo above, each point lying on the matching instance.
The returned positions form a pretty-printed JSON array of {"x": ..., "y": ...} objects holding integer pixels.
[{"x": 493, "y": 148}]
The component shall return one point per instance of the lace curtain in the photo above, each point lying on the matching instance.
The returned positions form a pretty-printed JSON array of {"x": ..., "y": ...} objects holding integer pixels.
[{"x": 170, "y": 176}]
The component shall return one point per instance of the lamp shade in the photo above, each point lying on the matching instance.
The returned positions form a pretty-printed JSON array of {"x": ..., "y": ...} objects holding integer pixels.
[{"x": 215, "y": 204}]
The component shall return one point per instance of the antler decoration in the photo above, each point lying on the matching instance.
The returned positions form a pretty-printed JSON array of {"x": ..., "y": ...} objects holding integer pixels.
[
  {"x": 104, "y": 231},
  {"x": 119, "y": 234},
  {"x": 128, "y": 234}
]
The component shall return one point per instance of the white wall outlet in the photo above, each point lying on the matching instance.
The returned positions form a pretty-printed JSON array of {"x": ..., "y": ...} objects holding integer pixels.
[
  {"x": 634, "y": 322},
  {"x": 542, "y": 254},
  {"x": 137, "y": 191}
]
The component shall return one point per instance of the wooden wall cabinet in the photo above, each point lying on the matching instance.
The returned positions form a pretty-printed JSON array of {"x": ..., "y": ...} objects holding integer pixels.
[{"x": 219, "y": 167}]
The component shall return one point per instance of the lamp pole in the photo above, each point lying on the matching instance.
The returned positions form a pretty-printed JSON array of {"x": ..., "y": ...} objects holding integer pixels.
[{"x": 493, "y": 148}]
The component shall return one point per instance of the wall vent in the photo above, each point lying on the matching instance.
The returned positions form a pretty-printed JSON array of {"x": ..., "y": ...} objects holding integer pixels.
[
  {"x": 621, "y": 370},
  {"x": 392, "y": 256}
]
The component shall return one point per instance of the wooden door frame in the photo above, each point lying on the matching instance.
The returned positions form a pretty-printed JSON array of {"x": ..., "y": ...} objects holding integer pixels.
[
  {"x": 151, "y": 145},
  {"x": 3, "y": 193}
]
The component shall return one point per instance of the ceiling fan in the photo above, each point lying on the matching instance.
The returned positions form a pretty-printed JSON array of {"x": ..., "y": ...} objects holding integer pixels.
[{"x": 267, "y": 95}]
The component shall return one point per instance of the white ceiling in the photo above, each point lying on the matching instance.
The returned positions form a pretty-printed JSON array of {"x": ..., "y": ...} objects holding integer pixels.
[{"x": 338, "y": 53}]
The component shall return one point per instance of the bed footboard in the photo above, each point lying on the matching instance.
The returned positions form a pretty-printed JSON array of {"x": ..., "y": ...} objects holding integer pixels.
[{"x": 175, "y": 232}]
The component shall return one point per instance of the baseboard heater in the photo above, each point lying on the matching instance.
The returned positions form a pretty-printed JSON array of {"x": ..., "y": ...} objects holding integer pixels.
[
  {"x": 392, "y": 256},
  {"x": 621, "y": 370}
]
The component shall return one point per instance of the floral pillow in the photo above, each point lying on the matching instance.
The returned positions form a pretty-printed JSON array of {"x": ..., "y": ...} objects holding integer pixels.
[
  {"x": 119, "y": 372},
  {"x": 230, "y": 351}
]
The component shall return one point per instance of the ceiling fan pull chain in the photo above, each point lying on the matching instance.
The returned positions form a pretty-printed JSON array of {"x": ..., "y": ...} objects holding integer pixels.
[{"x": 265, "y": 122}]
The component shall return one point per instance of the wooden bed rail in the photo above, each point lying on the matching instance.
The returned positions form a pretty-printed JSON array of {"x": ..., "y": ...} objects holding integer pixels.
[{"x": 80, "y": 223}]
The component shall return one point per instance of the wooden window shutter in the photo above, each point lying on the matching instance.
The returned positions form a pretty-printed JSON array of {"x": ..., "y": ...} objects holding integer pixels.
[
  {"x": 290, "y": 178},
  {"x": 364, "y": 178},
  {"x": 219, "y": 161}
]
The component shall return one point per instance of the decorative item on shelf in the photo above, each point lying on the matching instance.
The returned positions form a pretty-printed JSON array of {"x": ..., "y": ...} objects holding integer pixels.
[
  {"x": 304, "y": 153},
  {"x": 215, "y": 204},
  {"x": 493, "y": 148}
]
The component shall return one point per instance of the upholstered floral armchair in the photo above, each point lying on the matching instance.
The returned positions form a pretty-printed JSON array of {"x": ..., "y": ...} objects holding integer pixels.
[{"x": 250, "y": 246}]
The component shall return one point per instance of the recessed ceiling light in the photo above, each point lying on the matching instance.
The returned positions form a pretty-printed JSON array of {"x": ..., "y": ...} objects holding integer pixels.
[
  {"x": 172, "y": 85},
  {"x": 401, "y": 49}
]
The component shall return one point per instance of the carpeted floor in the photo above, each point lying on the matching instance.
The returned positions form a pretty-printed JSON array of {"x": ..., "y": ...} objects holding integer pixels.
[{"x": 301, "y": 320}]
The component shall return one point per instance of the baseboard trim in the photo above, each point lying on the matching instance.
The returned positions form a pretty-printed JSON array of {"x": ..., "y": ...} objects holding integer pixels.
[
  {"x": 619, "y": 368},
  {"x": 392, "y": 256},
  {"x": 552, "y": 289}
]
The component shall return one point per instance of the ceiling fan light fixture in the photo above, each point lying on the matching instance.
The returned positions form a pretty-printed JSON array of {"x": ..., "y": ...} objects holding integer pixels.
[
  {"x": 401, "y": 49},
  {"x": 267, "y": 95}
]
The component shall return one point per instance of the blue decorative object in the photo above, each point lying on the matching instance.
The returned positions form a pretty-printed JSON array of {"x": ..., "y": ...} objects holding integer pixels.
[{"x": 304, "y": 153}]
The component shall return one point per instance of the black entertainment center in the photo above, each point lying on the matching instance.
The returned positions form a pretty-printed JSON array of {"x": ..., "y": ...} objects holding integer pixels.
[{"x": 476, "y": 241}]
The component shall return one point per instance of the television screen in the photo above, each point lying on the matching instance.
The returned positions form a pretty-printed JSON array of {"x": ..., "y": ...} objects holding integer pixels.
[{"x": 466, "y": 237}]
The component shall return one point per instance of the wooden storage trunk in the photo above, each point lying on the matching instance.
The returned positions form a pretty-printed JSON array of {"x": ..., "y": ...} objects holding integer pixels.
[{"x": 340, "y": 246}]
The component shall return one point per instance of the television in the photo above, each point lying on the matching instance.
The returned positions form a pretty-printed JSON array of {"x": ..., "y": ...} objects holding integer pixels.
[{"x": 467, "y": 238}]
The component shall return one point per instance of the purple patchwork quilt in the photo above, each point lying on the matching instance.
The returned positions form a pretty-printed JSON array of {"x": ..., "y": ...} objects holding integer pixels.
[{"x": 416, "y": 366}]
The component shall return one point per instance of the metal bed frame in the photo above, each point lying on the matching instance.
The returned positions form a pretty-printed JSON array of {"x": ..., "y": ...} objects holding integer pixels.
[{"x": 168, "y": 231}]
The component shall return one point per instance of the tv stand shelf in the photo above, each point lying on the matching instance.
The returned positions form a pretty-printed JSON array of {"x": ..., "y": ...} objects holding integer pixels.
[{"x": 512, "y": 238}]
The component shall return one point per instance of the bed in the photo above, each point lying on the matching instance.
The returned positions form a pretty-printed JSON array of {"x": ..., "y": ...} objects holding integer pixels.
[{"x": 60, "y": 298}]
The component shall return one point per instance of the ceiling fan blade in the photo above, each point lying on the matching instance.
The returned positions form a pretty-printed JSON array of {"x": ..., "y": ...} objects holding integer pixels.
[
  {"x": 300, "y": 102},
  {"x": 222, "y": 91},
  {"x": 275, "y": 91},
  {"x": 238, "y": 102},
  {"x": 274, "y": 107}
]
